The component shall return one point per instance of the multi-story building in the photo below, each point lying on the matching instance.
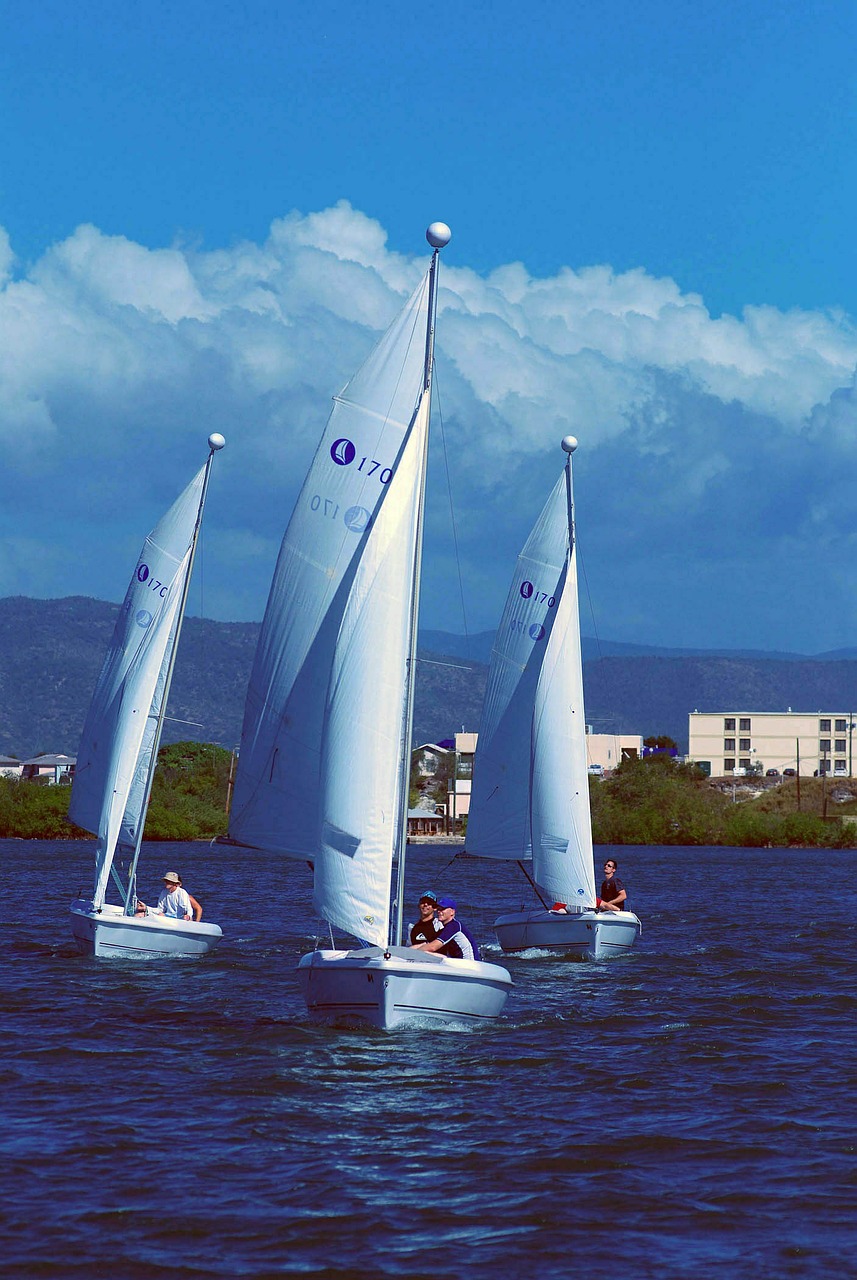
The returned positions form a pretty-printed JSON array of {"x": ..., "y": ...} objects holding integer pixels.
[
  {"x": 459, "y": 796},
  {"x": 739, "y": 742}
]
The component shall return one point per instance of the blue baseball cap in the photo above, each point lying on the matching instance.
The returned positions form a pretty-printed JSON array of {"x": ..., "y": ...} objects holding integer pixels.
[
  {"x": 429, "y": 895},
  {"x": 447, "y": 902}
]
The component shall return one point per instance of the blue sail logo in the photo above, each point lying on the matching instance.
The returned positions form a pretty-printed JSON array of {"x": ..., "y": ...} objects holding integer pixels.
[
  {"x": 526, "y": 590},
  {"x": 143, "y": 618},
  {"x": 343, "y": 452},
  {"x": 537, "y": 631},
  {"x": 357, "y": 519}
]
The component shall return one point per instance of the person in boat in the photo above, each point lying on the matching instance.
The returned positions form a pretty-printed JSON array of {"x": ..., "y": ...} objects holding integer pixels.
[
  {"x": 454, "y": 938},
  {"x": 612, "y": 896},
  {"x": 175, "y": 902},
  {"x": 426, "y": 928}
]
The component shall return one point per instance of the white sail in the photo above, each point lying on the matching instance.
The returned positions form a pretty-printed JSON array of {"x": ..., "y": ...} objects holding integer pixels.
[
  {"x": 361, "y": 770},
  {"x": 115, "y": 751},
  {"x": 530, "y": 794},
  {"x": 277, "y": 803},
  {"x": 560, "y": 818}
]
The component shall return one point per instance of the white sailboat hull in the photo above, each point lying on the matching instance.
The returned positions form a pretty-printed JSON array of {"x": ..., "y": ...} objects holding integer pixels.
[
  {"x": 591, "y": 935},
  {"x": 110, "y": 932},
  {"x": 394, "y": 986}
]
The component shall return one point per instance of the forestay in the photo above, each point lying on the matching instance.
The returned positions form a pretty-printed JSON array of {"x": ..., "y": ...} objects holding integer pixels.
[
  {"x": 115, "y": 754},
  {"x": 277, "y": 803},
  {"x": 530, "y": 789}
]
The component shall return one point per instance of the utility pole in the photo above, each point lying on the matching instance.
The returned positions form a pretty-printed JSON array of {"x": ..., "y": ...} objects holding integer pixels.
[{"x": 797, "y": 750}]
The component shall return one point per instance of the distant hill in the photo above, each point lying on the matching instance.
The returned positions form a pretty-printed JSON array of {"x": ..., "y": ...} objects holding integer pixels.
[
  {"x": 478, "y": 648},
  {"x": 51, "y": 652}
]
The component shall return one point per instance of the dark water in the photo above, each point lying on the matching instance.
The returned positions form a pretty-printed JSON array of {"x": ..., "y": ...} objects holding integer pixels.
[{"x": 687, "y": 1111}]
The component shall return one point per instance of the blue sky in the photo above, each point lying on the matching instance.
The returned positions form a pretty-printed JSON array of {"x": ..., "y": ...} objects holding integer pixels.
[{"x": 676, "y": 181}]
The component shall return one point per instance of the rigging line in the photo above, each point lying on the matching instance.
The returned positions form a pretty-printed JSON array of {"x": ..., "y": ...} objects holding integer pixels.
[
  {"x": 436, "y": 384},
  {"x": 533, "y": 883},
  {"x": 457, "y": 666}
]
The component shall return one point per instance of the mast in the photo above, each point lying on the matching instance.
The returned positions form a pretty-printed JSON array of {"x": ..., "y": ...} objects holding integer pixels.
[
  {"x": 438, "y": 235},
  {"x": 569, "y": 444},
  {"x": 215, "y": 443}
]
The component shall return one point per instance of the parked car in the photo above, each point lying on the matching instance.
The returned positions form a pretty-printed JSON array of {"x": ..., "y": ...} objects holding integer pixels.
[
  {"x": 597, "y": 770},
  {"x": 789, "y": 773},
  {"x": 772, "y": 773}
]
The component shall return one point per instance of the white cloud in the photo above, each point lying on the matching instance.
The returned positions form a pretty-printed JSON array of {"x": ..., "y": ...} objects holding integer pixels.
[{"x": 719, "y": 436}]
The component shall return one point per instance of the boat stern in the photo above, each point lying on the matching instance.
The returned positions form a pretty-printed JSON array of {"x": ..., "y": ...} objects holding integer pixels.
[
  {"x": 109, "y": 932},
  {"x": 397, "y": 986},
  {"x": 590, "y": 935}
]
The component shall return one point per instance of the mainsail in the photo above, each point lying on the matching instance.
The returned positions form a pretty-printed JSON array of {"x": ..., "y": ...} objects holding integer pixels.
[
  {"x": 530, "y": 795},
  {"x": 116, "y": 748},
  {"x": 320, "y": 576}
]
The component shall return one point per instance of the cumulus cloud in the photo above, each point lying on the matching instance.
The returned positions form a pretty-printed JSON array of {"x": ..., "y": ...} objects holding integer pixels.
[{"x": 713, "y": 478}]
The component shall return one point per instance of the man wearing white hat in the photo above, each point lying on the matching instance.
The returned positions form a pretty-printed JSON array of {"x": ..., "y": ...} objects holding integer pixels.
[{"x": 175, "y": 902}]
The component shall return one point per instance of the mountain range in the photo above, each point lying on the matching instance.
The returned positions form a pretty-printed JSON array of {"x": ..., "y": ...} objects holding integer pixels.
[{"x": 51, "y": 652}]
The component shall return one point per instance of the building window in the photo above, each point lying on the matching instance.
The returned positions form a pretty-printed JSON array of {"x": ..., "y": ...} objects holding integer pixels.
[
  {"x": 824, "y": 744},
  {"x": 824, "y": 766},
  {"x": 745, "y": 764},
  {"x": 841, "y": 726},
  {"x": 728, "y": 766},
  {"x": 840, "y": 767},
  {"x": 729, "y": 725},
  {"x": 728, "y": 744},
  {"x": 744, "y": 725},
  {"x": 744, "y": 744},
  {"x": 824, "y": 726},
  {"x": 840, "y": 745}
]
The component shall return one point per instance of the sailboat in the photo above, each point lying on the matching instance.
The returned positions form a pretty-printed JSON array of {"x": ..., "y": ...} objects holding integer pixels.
[
  {"x": 324, "y": 763},
  {"x": 530, "y": 790},
  {"x": 119, "y": 745}
]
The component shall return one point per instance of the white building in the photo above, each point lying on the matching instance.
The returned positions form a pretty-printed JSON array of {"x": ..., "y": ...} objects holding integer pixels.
[
  {"x": 50, "y": 770},
  {"x": 607, "y": 750},
  {"x": 738, "y": 742},
  {"x": 459, "y": 796}
]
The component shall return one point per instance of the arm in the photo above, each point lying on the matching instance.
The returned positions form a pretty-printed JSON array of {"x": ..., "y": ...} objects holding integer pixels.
[
  {"x": 615, "y": 904},
  {"x": 197, "y": 909},
  {"x": 429, "y": 946}
]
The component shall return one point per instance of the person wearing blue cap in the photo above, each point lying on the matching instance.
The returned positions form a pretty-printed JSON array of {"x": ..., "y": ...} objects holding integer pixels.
[
  {"x": 426, "y": 928},
  {"x": 454, "y": 938}
]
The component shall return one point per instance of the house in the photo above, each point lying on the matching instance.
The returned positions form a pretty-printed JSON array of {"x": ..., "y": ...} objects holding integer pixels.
[
  {"x": 429, "y": 754},
  {"x": 421, "y": 822},
  {"x": 49, "y": 770},
  {"x": 10, "y": 767}
]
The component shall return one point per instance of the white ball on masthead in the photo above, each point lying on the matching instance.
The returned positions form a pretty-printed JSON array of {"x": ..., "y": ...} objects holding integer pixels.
[
  {"x": 569, "y": 443},
  {"x": 216, "y": 440},
  {"x": 438, "y": 235}
]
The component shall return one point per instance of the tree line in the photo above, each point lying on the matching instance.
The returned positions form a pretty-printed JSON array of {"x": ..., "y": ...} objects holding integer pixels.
[
  {"x": 189, "y": 798},
  {"x": 649, "y": 801}
]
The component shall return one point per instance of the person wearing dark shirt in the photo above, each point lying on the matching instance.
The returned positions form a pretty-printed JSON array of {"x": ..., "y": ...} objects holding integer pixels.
[
  {"x": 612, "y": 896},
  {"x": 426, "y": 928},
  {"x": 454, "y": 939}
]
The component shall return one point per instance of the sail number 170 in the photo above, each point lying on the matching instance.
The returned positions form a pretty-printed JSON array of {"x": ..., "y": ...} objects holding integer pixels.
[{"x": 529, "y": 592}]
